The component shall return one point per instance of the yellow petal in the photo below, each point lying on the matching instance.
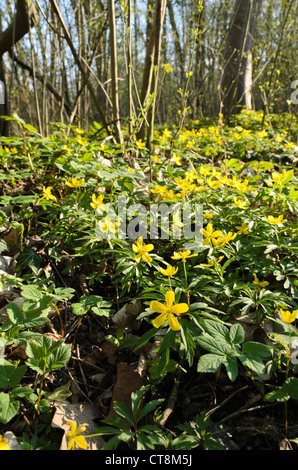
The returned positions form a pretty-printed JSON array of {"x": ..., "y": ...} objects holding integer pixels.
[
  {"x": 179, "y": 308},
  {"x": 158, "y": 307},
  {"x": 149, "y": 247},
  {"x": 146, "y": 257},
  {"x": 158, "y": 321},
  {"x": 170, "y": 297},
  {"x": 173, "y": 322}
]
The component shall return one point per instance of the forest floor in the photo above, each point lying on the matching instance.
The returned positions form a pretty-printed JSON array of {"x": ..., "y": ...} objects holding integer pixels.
[{"x": 96, "y": 299}]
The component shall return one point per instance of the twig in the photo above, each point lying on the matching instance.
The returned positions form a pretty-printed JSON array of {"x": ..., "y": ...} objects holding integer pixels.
[
  {"x": 171, "y": 402},
  {"x": 210, "y": 412}
]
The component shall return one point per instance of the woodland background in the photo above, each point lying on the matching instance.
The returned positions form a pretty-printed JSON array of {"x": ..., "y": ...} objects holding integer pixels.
[{"x": 112, "y": 61}]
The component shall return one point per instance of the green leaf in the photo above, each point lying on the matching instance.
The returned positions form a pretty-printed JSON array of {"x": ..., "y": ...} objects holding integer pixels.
[
  {"x": 237, "y": 334},
  {"x": 14, "y": 313},
  {"x": 10, "y": 376},
  {"x": 121, "y": 409},
  {"x": 149, "y": 407},
  {"x": 258, "y": 349},
  {"x": 32, "y": 292},
  {"x": 231, "y": 366},
  {"x": 29, "y": 258},
  {"x": 210, "y": 363},
  {"x": 214, "y": 345},
  {"x": 8, "y": 407}
]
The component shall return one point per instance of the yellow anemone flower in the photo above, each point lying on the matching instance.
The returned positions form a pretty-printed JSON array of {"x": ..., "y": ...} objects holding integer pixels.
[
  {"x": 140, "y": 145},
  {"x": 258, "y": 282},
  {"x": 242, "y": 229},
  {"x": 287, "y": 316},
  {"x": 210, "y": 234},
  {"x": 97, "y": 203},
  {"x": 183, "y": 255},
  {"x": 224, "y": 239},
  {"x": 170, "y": 271},
  {"x": 275, "y": 220},
  {"x": 3, "y": 443},
  {"x": 108, "y": 225},
  {"x": 47, "y": 193},
  {"x": 74, "y": 436},
  {"x": 241, "y": 204},
  {"x": 142, "y": 250},
  {"x": 168, "y": 311},
  {"x": 75, "y": 183}
]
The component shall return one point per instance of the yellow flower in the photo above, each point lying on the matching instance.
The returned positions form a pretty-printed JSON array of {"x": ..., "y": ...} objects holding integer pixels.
[
  {"x": 258, "y": 282},
  {"x": 275, "y": 220},
  {"x": 162, "y": 190},
  {"x": 108, "y": 225},
  {"x": 242, "y": 229},
  {"x": 277, "y": 177},
  {"x": 177, "y": 221},
  {"x": 224, "y": 239},
  {"x": 47, "y": 193},
  {"x": 212, "y": 263},
  {"x": 177, "y": 159},
  {"x": 208, "y": 215},
  {"x": 290, "y": 145},
  {"x": 170, "y": 195},
  {"x": 140, "y": 144},
  {"x": 287, "y": 316},
  {"x": 210, "y": 234},
  {"x": 168, "y": 311},
  {"x": 81, "y": 141},
  {"x": 166, "y": 134},
  {"x": 156, "y": 159},
  {"x": 74, "y": 436},
  {"x": 142, "y": 250},
  {"x": 241, "y": 204},
  {"x": 183, "y": 255},
  {"x": 170, "y": 271},
  {"x": 167, "y": 68},
  {"x": 3, "y": 443},
  {"x": 75, "y": 183},
  {"x": 97, "y": 203},
  {"x": 278, "y": 138},
  {"x": 205, "y": 171}
]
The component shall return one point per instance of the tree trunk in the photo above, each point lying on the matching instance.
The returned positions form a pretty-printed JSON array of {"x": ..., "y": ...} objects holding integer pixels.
[
  {"x": 151, "y": 60},
  {"x": 19, "y": 27},
  {"x": 114, "y": 70},
  {"x": 233, "y": 53},
  {"x": 246, "y": 77}
]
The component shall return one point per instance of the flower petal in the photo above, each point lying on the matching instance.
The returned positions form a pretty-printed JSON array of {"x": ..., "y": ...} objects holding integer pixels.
[
  {"x": 179, "y": 308},
  {"x": 170, "y": 297},
  {"x": 158, "y": 307},
  {"x": 158, "y": 321},
  {"x": 173, "y": 322},
  {"x": 149, "y": 247}
]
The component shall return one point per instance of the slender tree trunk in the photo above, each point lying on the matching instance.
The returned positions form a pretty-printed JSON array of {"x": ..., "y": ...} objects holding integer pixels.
[
  {"x": 232, "y": 55},
  {"x": 114, "y": 70},
  {"x": 79, "y": 64},
  {"x": 151, "y": 61},
  {"x": 24, "y": 18},
  {"x": 246, "y": 77}
]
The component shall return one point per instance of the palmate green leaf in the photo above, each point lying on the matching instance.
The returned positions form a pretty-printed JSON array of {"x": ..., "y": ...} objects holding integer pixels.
[
  {"x": 43, "y": 356},
  {"x": 210, "y": 363},
  {"x": 152, "y": 405},
  {"x": 10, "y": 376},
  {"x": 214, "y": 345},
  {"x": 231, "y": 366},
  {"x": 121, "y": 409},
  {"x": 237, "y": 334},
  {"x": 29, "y": 258},
  {"x": 9, "y": 407}
]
